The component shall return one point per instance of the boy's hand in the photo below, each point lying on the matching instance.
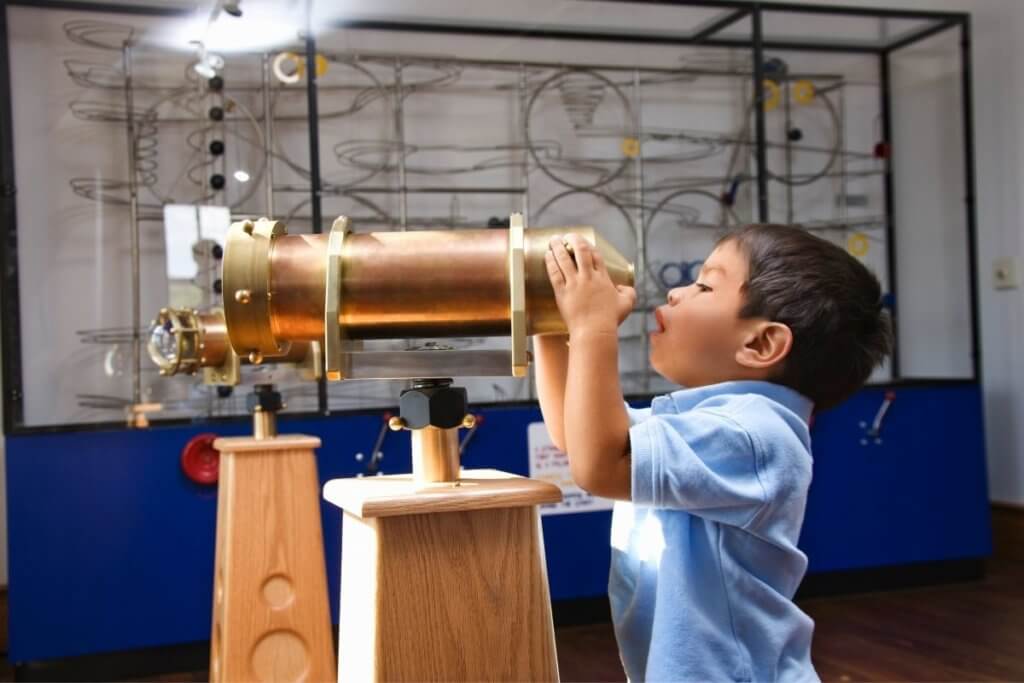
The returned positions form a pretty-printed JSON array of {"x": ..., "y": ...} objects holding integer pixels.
[{"x": 586, "y": 296}]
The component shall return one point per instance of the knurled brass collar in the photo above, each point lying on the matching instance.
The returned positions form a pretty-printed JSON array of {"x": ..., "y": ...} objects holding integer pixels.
[{"x": 247, "y": 288}]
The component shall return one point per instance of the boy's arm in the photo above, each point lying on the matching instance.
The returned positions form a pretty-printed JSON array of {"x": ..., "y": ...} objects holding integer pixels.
[
  {"x": 551, "y": 363},
  {"x": 596, "y": 426}
]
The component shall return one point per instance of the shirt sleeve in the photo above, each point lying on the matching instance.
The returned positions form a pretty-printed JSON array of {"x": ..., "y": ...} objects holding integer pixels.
[
  {"x": 637, "y": 414},
  {"x": 701, "y": 461}
]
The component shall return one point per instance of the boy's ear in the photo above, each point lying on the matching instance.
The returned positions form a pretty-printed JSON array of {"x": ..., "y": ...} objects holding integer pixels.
[{"x": 766, "y": 344}]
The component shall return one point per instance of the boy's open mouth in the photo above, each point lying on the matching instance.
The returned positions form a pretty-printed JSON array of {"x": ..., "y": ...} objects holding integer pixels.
[{"x": 660, "y": 320}]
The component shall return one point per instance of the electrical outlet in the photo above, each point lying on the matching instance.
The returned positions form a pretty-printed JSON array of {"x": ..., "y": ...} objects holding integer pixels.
[{"x": 1004, "y": 273}]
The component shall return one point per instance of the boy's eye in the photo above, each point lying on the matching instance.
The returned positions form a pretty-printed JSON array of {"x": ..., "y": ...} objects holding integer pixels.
[{"x": 702, "y": 287}]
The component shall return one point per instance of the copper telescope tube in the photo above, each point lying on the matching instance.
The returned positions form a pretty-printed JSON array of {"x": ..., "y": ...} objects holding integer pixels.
[
  {"x": 214, "y": 332},
  {"x": 394, "y": 285}
]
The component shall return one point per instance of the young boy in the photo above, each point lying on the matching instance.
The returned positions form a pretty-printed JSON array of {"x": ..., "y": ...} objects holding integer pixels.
[{"x": 704, "y": 556}]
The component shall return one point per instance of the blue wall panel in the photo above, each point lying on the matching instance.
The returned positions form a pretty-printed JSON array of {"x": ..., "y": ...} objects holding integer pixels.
[
  {"x": 921, "y": 495},
  {"x": 111, "y": 547}
]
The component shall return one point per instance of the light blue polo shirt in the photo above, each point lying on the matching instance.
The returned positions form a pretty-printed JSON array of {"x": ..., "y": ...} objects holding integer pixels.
[{"x": 704, "y": 557}]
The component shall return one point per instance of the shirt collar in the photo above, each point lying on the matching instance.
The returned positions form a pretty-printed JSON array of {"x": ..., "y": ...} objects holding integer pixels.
[{"x": 685, "y": 399}]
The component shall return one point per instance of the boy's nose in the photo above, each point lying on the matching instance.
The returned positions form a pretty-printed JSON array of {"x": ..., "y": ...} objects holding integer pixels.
[{"x": 675, "y": 295}]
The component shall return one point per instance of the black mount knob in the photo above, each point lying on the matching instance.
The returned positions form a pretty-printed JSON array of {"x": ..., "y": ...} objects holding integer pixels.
[{"x": 433, "y": 403}]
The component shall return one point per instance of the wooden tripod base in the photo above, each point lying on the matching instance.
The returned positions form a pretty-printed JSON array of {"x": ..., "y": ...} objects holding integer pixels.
[
  {"x": 271, "y": 620},
  {"x": 444, "y": 582}
]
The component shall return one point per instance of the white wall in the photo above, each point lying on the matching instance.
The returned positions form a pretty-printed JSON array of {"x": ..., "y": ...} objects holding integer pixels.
[{"x": 998, "y": 61}]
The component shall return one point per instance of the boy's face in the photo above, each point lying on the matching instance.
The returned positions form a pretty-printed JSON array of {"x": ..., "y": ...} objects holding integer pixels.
[{"x": 699, "y": 330}]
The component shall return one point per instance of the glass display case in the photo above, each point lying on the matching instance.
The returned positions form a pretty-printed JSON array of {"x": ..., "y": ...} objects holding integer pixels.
[{"x": 134, "y": 137}]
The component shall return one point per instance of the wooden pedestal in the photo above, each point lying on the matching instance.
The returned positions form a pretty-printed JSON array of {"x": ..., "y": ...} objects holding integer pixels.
[
  {"x": 444, "y": 582},
  {"x": 271, "y": 618}
]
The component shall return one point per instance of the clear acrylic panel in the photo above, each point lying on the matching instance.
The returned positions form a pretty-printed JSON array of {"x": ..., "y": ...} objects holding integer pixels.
[
  {"x": 93, "y": 262},
  {"x": 930, "y": 220},
  {"x": 653, "y": 144}
]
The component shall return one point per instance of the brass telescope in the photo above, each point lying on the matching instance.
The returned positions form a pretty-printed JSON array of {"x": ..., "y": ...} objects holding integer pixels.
[{"x": 343, "y": 287}]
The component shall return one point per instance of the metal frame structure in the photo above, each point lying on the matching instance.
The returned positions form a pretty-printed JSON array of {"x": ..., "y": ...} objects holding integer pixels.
[{"x": 708, "y": 35}]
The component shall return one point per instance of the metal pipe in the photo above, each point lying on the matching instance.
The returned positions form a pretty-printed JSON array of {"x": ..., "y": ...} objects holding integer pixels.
[
  {"x": 759, "y": 122},
  {"x": 435, "y": 455},
  {"x": 522, "y": 93},
  {"x": 313, "y": 123},
  {"x": 403, "y": 198},
  {"x": 789, "y": 154},
  {"x": 842, "y": 178},
  {"x": 133, "y": 212},
  {"x": 885, "y": 87},
  {"x": 641, "y": 233},
  {"x": 966, "y": 100},
  {"x": 268, "y": 135}
]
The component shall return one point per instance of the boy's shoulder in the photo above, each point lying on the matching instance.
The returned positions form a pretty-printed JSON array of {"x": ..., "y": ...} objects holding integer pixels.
[
  {"x": 772, "y": 419},
  {"x": 743, "y": 401}
]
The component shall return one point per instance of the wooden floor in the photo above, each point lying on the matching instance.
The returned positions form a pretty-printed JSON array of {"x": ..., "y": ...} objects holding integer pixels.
[
  {"x": 962, "y": 632},
  {"x": 972, "y": 632}
]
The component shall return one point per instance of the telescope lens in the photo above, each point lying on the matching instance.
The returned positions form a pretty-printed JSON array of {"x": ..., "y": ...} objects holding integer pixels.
[{"x": 163, "y": 344}]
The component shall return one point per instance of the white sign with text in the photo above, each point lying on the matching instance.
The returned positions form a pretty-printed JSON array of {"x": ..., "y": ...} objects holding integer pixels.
[{"x": 547, "y": 463}]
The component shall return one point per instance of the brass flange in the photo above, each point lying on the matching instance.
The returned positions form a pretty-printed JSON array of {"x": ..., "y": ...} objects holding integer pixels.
[
  {"x": 333, "y": 355},
  {"x": 517, "y": 293},
  {"x": 248, "y": 288}
]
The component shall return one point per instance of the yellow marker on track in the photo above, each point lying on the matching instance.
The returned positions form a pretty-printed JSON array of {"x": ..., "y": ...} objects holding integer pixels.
[
  {"x": 803, "y": 92},
  {"x": 630, "y": 147},
  {"x": 858, "y": 244}
]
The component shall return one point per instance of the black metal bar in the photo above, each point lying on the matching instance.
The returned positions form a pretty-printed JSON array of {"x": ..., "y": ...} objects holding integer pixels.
[
  {"x": 885, "y": 87},
  {"x": 434, "y": 190},
  {"x": 718, "y": 24},
  {"x": 922, "y": 34},
  {"x": 13, "y": 408},
  {"x": 145, "y": 10},
  {"x": 798, "y": 46},
  {"x": 611, "y": 36},
  {"x": 313, "y": 116},
  {"x": 853, "y": 11},
  {"x": 967, "y": 102},
  {"x": 513, "y": 31},
  {"x": 843, "y": 10},
  {"x": 756, "y": 36}
]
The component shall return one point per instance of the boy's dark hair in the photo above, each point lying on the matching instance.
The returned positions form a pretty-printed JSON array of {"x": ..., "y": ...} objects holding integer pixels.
[{"x": 827, "y": 298}]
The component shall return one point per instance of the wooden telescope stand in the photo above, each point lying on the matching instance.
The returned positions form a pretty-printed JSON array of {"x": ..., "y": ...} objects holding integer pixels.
[
  {"x": 271, "y": 618},
  {"x": 443, "y": 576}
]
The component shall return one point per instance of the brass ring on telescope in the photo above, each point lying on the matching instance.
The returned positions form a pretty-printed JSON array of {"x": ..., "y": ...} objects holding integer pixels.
[
  {"x": 333, "y": 357},
  {"x": 517, "y": 287},
  {"x": 247, "y": 288}
]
